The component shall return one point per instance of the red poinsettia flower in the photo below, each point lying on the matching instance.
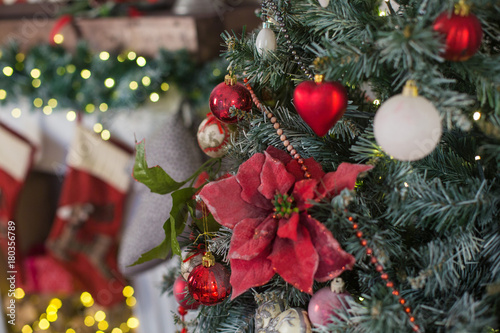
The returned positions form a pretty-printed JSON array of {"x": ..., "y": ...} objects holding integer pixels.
[{"x": 266, "y": 204}]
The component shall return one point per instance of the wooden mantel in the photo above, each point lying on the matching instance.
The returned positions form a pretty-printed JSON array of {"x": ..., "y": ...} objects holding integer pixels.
[{"x": 145, "y": 35}]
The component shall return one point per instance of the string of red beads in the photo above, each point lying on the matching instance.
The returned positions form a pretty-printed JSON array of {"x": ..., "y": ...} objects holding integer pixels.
[
  {"x": 289, "y": 147},
  {"x": 383, "y": 275}
]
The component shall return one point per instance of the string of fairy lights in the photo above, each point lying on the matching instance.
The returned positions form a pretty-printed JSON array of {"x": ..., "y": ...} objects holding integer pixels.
[
  {"x": 93, "y": 320},
  {"x": 95, "y": 83}
]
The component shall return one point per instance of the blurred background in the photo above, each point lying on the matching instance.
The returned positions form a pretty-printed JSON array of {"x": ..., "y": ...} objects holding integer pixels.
[{"x": 80, "y": 83}]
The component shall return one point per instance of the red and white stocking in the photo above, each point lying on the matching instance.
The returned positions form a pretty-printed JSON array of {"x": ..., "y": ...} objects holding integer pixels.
[{"x": 89, "y": 216}]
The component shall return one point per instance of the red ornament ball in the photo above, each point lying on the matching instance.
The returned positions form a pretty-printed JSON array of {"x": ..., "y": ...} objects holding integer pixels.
[
  {"x": 227, "y": 94},
  {"x": 180, "y": 292},
  {"x": 209, "y": 285},
  {"x": 463, "y": 34},
  {"x": 325, "y": 302},
  {"x": 213, "y": 136},
  {"x": 320, "y": 104}
]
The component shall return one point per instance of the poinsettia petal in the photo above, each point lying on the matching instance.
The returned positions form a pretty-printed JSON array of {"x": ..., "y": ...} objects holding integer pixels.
[
  {"x": 279, "y": 154},
  {"x": 345, "y": 177},
  {"x": 313, "y": 167},
  {"x": 249, "y": 179},
  {"x": 333, "y": 260},
  {"x": 288, "y": 227},
  {"x": 251, "y": 237},
  {"x": 274, "y": 177},
  {"x": 246, "y": 274},
  {"x": 296, "y": 261},
  {"x": 223, "y": 200},
  {"x": 303, "y": 192}
]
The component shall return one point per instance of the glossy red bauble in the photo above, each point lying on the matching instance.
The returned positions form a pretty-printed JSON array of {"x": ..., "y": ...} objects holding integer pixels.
[
  {"x": 321, "y": 104},
  {"x": 180, "y": 291},
  {"x": 226, "y": 95},
  {"x": 463, "y": 35},
  {"x": 209, "y": 285}
]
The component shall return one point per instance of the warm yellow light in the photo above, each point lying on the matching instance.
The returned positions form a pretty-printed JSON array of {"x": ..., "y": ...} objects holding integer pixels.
[
  {"x": 128, "y": 291},
  {"x": 90, "y": 108},
  {"x": 165, "y": 86},
  {"x": 376, "y": 102},
  {"x": 104, "y": 55},
  {"x": 86, "y": 298},
  {"x": 36, "y": 83},
  {"x": 52, "y": 102},
  {"x": 3, "y": 94},
  {"x": 131, "y": 55},
  {"x": 406, "y": 184},
  {"x": 105, "y": 135},
  {"x": 116, "y": 330},
  {"x": 70, "y": 330},
  {"x": 71, "y": 68},
  {"x": 35, "y": 73},
  {"x": 52, "y": 317},
  {"x": 89, "y": 321},
  {"x": 109, "y": 82},
  {"x": 154, "y": 97},
  {"x": 60, "y": 71},
  {"x": 133, "y": 322},
  {"x": 58, "y": 38},
  {"x": 51, "y": 308},
  {"x": 124, "y": 327},
  {"x": 121, "y": 58},
  {"x": 100, "y": 315},
  {"x": 141, "y": 61},
  {"x": 19, "y": 292},
  {"x": 103, "y": 107},
  {"x": 16, "y": 113},
  {"x": 27, "y": 329},
  {"x": 146, "y": 81},
  {"x": 103, "y": 325},
  {"x": 133, "y": 85},
  {"x": 361, "y": 299},
  {"x": 98, "y": 128},
  {"x": 8, "y": 71},
  {"x": 131, "y": 301},
  {"x": 20, "y": 57},
  {"x": 44, "y": 324},
  {"x": 85, "y": 74},
  {"x": 477, "y": 115},
  {"x": 38, "y": 102},
  {"x": 47, "y": 110},
  {"x": 216, "y": 72},
  {"x": 477, "y": 158},
  {"x": 56, "y": 301}
]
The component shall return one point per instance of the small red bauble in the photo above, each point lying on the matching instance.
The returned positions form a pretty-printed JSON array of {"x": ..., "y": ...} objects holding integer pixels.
[
  {"x": 462, "y": 31},
  {"x": 227, "y": 94},
  {"x": 209, "y": 285},
  {"x": 180, "y": 292},
  {"x": 320, "y": 104},
  {"x": 326, "y": 301}
]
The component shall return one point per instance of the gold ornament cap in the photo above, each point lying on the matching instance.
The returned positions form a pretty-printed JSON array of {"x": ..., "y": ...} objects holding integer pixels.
[
  {"x": 319, "y": 78},
  {"x": 208, "y": 259},
  {"x": 230, "y": 79},
  {"x": 462, "y": 9},
  {"x": 410, "y": 89}
]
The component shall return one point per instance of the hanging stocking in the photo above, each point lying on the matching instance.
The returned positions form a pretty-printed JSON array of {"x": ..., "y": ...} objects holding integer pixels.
[
  {"x": 88, "y": 219},
  {"x": 16, "y": 157}
]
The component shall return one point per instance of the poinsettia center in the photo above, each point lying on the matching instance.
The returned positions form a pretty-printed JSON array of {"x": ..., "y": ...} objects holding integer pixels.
[{"x": 284, "y": 205}]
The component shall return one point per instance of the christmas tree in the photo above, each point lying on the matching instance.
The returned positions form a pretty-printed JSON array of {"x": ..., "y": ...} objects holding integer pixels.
[{"x": 383, "y": 172}]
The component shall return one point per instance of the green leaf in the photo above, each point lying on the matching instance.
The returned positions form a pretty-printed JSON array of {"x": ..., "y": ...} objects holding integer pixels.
[
  {"x": 159, "y": 252},
  {"x": 155, "y": 178},
  {"x": 176, "y": 249}
]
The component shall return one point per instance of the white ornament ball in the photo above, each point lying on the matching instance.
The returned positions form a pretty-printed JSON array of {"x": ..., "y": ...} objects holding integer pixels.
[
  {"x": 191, "y": 261},
  {"x": 407, "y": 127},
  {"x": 213, "y": 136},
  {"x": 324, "y": 3},
  {"x": 266, "y": 41}
]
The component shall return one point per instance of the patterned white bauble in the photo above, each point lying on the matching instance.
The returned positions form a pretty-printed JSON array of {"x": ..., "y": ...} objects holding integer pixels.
[{"x": 213, "y": 136}]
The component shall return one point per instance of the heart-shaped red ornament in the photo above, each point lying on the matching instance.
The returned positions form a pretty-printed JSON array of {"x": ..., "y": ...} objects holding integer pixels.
[{"x": 320, "y": 104}]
